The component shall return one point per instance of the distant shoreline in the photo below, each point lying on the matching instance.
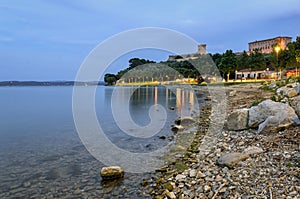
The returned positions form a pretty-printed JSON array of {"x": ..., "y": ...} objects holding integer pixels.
[{"x": 50, "y": 83}]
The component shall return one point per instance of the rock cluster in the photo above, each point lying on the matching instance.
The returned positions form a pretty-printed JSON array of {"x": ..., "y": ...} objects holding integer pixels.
[
  {"x": 268, "y": 116},
  {"x": 290, "y": 90}
]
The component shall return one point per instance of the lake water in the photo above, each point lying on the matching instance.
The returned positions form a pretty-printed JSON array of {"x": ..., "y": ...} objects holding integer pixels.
[{"x": 42, "y": 154}]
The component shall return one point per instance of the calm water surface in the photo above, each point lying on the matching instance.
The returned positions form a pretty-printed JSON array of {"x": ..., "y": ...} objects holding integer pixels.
[{"x": 42, "y": 155}]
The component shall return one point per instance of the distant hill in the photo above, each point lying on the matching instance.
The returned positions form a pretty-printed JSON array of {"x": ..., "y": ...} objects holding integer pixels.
[{"x": 49, "y": 83}]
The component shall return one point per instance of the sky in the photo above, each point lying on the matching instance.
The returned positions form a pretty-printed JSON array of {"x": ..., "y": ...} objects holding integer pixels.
[{"x": 47, "y": 40}]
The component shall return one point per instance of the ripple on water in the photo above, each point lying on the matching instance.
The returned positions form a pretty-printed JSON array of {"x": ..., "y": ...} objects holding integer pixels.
[{"x": 64, "y": 172}]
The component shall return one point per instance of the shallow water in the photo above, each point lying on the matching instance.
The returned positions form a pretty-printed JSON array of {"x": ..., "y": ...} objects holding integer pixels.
[{"x": 42, "y": 154}]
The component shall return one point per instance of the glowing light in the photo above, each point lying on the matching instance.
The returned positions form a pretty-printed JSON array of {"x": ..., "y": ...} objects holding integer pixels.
[{"x": 277, "y": 49}]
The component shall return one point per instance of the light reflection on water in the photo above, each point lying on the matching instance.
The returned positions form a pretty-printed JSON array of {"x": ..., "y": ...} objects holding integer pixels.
[{"x": 39, "y": 143}]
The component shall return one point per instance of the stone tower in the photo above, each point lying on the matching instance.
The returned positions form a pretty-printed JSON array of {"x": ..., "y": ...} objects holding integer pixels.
[{"x": 202, "y": 49}]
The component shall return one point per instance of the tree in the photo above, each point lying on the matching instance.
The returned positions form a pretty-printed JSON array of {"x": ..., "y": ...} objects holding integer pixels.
[
  {"x": 110, "y": 79},
  {"x": 243, "y": 61},
  {"x": 228, "y": 63},
  {"x": 297, "y": 56},
  {"x": 257, "y": 60},
  {"x": 217, "y": 58},
  {"x": 134, "y": 62}
]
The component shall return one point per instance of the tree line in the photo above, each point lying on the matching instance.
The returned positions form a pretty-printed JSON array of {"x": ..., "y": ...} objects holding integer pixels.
[{"x": 226, "y": 64}]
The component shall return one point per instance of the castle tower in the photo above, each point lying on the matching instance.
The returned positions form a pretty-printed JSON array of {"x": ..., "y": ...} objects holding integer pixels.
[{"x": 202, "y": 49}]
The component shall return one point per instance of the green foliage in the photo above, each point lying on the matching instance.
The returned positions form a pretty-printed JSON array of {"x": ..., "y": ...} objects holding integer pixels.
[
  {"x": 289, "y": 164},
  {"x": 180, "y": 167},
  {"x": 276, "y": 98},
  {"x": 278, "y": 83},
  {"x": 257, "y": 60},
  {"x": 243, "y": 61},
  {"x": 287, "y": 57},
  {"x": 228, "y": 63},
  {"x": 288, "y": 80},
  {"x": 134, "y": 62},
  {"x": 255, "y": 103},
  {"x": 110, "y": 79},
  {"x": 273, "y": 98}
]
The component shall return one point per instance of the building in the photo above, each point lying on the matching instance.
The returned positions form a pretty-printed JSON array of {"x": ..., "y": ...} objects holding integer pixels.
[
  {"x": 201, "y": 51},
  {"x": 246, "y": 74},
  {"x": 266, "y": 46}
]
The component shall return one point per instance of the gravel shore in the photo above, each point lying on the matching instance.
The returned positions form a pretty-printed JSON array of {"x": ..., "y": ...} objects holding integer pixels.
[{"x": 271, "y": 171}]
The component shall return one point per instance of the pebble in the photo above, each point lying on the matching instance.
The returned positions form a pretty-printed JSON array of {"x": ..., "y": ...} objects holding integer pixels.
[
  {"x": 200, "y": 175},
  {"x": 26, "y": 184},
  {"x": 193, "y": 173},
  {"x": 180, "y": 177},
  {"x": 206, "y": 188},
  {"x": 77, "y": 192}
]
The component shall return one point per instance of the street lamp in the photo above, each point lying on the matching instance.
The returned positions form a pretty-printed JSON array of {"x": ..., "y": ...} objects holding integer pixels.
[{"x": 277, "y": 49}]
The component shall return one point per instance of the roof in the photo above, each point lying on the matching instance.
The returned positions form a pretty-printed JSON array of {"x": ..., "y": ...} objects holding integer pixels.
[
  {"x": 270, "y": 39},
  {"x": 250, "y": 70}
]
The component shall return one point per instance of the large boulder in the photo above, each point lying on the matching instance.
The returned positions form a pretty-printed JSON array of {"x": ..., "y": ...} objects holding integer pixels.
[
  {"x": 112, "y": 172},
  {"x": 290, "y": 90},
  {"x": 272, "y": 116},
  {"x": 238, "y": 120},
  {"x": 295, "y": 103},
  {"x": 297, "y": 88}
]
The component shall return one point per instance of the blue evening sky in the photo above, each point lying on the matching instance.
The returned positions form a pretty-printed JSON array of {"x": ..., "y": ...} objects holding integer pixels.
[{"x": 49, "y": 39}]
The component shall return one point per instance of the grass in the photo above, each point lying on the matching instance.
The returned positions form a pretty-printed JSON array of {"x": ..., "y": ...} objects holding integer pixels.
[
  {"x": 180, "y": 167},
  {"x": 256, "y": 102}
]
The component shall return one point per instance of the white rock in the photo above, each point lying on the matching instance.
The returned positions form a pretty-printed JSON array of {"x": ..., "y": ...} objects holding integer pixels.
[
  {"x": 295, "y": 103},
  {"x": 193, "y": 173},
  {"x": 290, "y": 90},
  {"x": 297, "y": 88},
  {"x": 180, "y": 177},
  {"x": 291, "y": 93},
  {"x": 272, "y": 116},
  {"x": 206, "y": 188}
]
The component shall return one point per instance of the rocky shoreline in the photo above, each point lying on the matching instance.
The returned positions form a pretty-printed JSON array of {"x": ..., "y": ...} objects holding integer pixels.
[{"x": 264, "y": 165}]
